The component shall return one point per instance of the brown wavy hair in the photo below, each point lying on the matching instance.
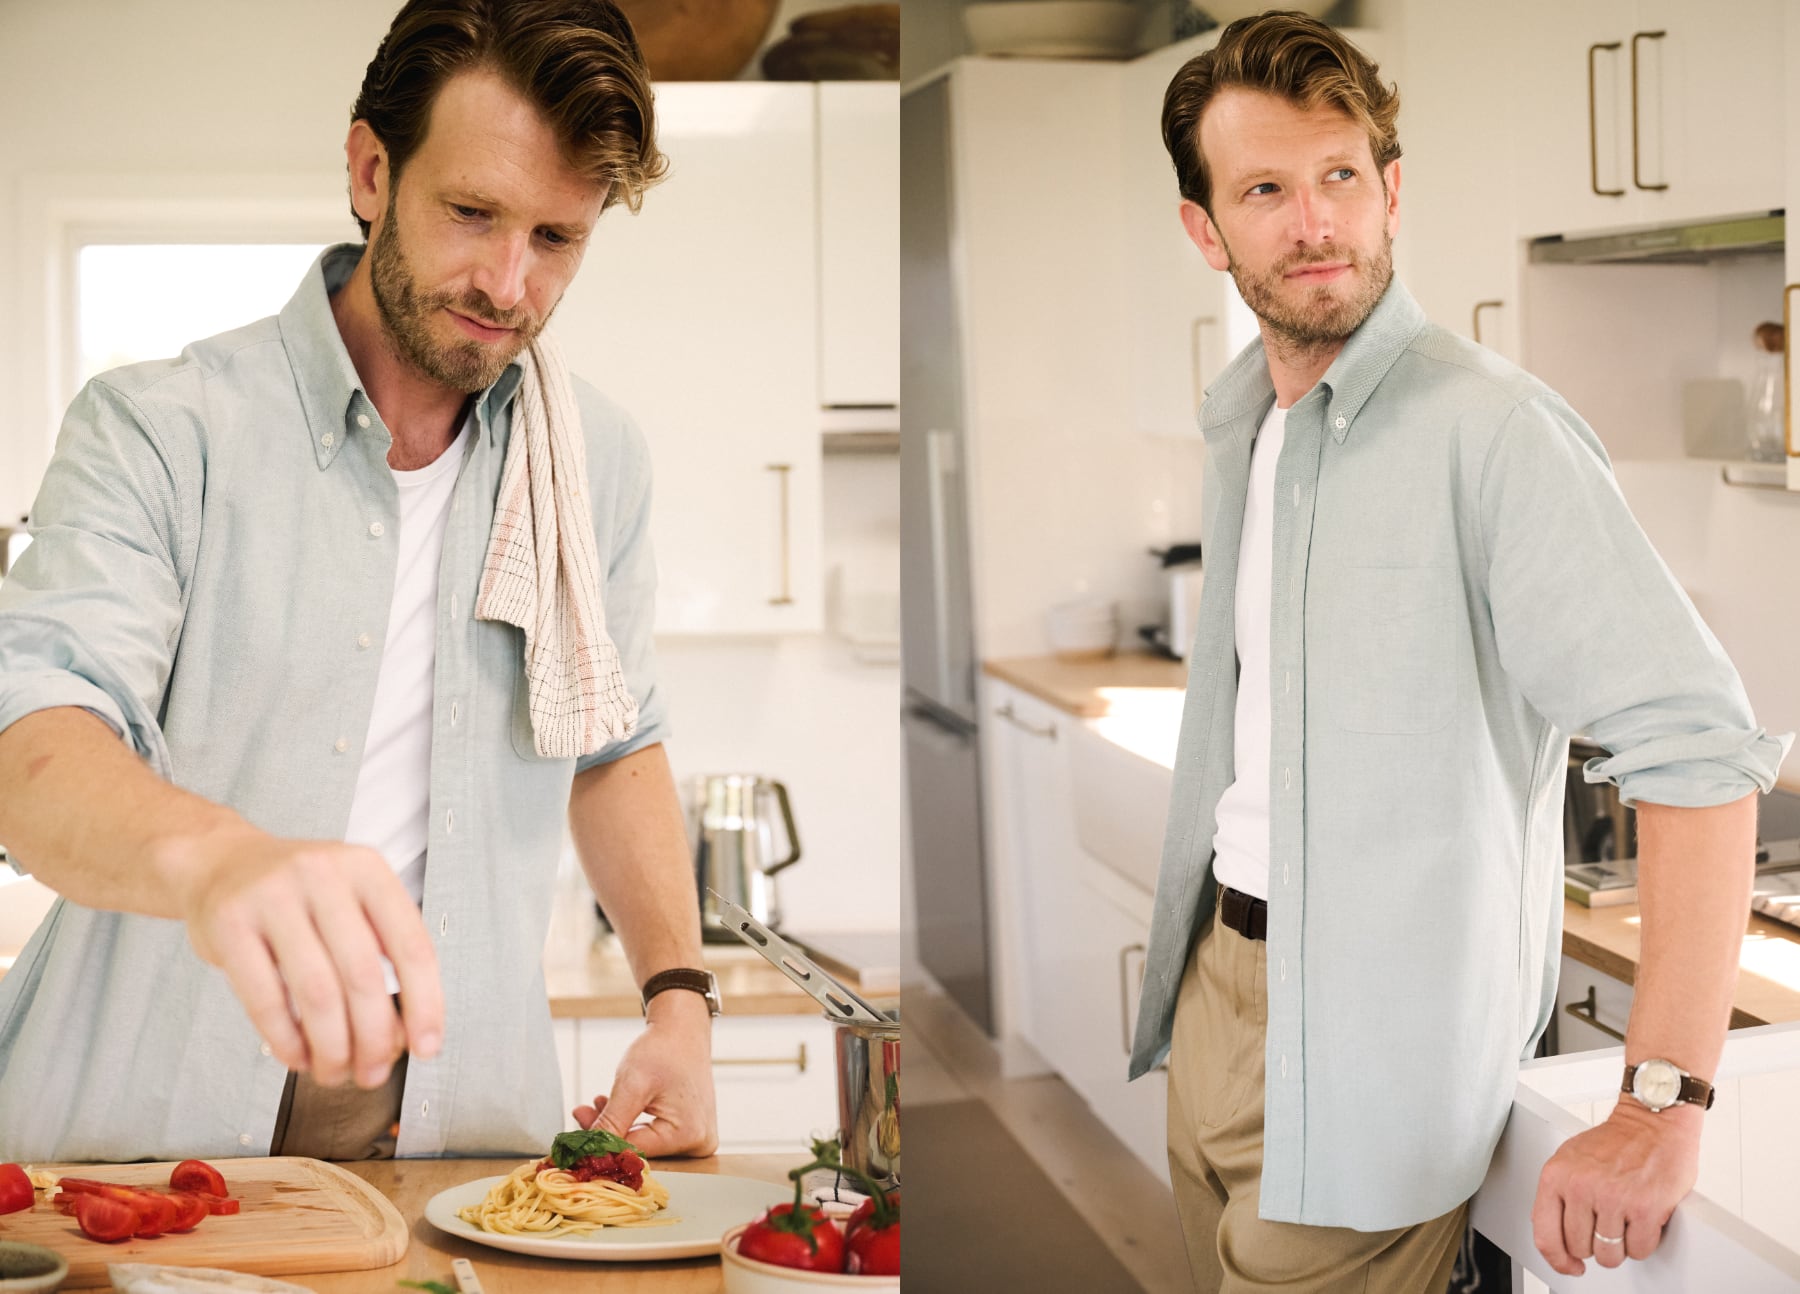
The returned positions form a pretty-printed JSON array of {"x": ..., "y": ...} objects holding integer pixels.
[
  {"x": 577, "y": 61},
  {"x": 1282, "y": 53}
]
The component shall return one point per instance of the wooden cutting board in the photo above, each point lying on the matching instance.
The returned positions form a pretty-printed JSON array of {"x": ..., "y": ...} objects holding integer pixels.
[{"x": 299, "y": 1215}]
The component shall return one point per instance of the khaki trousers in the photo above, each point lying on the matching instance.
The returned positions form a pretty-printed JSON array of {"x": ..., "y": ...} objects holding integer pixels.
[
  {"x": 1216, "y": 1145},
  {"x": 339, "y": 1122}
]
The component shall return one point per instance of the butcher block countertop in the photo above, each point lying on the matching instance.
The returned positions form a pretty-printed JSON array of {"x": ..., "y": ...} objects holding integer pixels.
[
  {"x": 1080, "y": 687},
  {"x": 1768, "y": 987}
]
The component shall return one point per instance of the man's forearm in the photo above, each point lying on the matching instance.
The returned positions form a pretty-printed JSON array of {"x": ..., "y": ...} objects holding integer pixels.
[
  {"x": 626, "y": 820},
  {"x": 1695, "y": 868},
  {"x": 88, "y": 818}
]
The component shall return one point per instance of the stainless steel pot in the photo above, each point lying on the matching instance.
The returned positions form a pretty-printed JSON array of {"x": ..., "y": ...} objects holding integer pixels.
[{"x": 868, "y": 1083}]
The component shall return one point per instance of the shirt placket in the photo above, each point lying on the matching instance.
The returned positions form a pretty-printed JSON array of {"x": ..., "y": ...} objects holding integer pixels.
[{"x": 1296, "y": 487}]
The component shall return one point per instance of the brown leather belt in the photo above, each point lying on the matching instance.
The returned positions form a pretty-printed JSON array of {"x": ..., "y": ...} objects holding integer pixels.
[{"x": 1244, "y": 914}]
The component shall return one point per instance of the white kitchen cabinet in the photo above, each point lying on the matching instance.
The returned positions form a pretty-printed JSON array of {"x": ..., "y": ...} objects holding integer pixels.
[
  {"x": 774, "y": 1076},
  {"x": 859, "y": 243},
  {"x": 1591, "y": 1008},
  {"x": 1643, "y": 112},
  {"x": 698, "y": 315},
  {"x": 1790, "y": 167}
]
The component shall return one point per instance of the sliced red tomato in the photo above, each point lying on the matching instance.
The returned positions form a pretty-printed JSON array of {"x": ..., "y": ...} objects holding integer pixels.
[
  {"x": 15, "y": 1189},
  {"x": 156, "y": 1213},
  {"x": 82, "y": 1185},
  {"x": 197, "y": 1175},
  {"x": 105, "y": 1219},
  {"x": 191, "y": 1210},
  {"x": 65, "y": 1202},
  {"x": 218, "y": 1204}
]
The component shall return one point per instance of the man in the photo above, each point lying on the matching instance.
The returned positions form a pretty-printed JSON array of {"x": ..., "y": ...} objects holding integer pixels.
[
  {"x": 1357, "y": 923},
  {"x": 290, "y": 569}
]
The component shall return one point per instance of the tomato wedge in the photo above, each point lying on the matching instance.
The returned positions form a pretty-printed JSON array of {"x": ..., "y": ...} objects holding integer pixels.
[
  {"x": 197, "y": 1175},
  {"x": 105, "y": 1219},
  {"x": 15, "y": 1189},
  {"x": 191, "y": 1211},
  {"x": 220, "y": 1204},
  {"x": 156, "y": 1213}
]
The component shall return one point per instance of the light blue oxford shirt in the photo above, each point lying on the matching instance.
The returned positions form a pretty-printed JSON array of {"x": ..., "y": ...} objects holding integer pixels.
[
  {"x": 213, "y": 536},
  {"x": 1457, "y": 587}
]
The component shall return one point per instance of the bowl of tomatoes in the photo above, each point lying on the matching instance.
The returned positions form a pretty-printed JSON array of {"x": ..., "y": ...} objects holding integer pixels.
[{"x": 801, "y": 1246}]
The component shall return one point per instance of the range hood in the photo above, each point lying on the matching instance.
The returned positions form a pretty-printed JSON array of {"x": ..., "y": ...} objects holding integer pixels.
[{"x": 1669, "y": 244}]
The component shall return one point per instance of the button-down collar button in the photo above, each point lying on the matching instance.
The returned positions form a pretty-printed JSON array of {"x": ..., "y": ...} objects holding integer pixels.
[
  {"x": 243, "y": 1138},
  {"x": 1341, "y": 423},
  {"x": 363, "y": 640},
  {"x": 341, "y": 745},
  {"x": 362, "y": 420},
  {"x": 377, "y": 529},
  {"x": 327, "y": 440}
]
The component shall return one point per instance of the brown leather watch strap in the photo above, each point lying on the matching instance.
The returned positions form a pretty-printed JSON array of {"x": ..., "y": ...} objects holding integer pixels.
[
  {"x": 697, "y": 981},
  {"x": 1693, "y": 1091}
]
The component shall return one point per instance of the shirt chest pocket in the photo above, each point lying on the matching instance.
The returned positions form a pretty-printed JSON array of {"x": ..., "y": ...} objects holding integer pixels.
[{"x": 1394, "y": 641}]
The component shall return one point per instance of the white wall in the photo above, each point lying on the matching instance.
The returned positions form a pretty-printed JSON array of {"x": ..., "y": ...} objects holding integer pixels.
[{"x": 235, "y": 88}]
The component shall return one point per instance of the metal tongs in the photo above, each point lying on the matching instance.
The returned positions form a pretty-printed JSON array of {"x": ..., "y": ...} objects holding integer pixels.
[{"x": 840, "y": 1003}]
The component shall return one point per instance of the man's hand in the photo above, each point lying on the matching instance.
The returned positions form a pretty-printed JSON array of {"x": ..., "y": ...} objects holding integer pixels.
[
  {"x": 667, "y": 1074},
  {"x": 299, "y": 928},
  {"x": 1621, "y": 1179}
]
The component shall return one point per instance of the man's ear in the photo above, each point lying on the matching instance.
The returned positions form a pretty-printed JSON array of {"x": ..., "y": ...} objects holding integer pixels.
[
  {"x": 1205, "y": 235},
  {"x": 369, "y": 175}
]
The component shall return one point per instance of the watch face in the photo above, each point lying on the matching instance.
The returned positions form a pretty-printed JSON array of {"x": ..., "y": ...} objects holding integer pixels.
[{"x": 1657, "y": 1083}]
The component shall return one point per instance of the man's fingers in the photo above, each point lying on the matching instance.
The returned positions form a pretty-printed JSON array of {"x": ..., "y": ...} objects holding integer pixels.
[
  {"x": 618, "y": 1111},
  {"x": 1578, "y": 1227},
  {"x": 1642, "y": 1238},
  {"x": 250, "y": 967},
  {"x": 587, "y": 1115},
  {"x": 1610, "y": 1239},
  {"x": 657, "y": 1138},
  {"x": 373, "y": 1025},
  {"x": 402, "y": 935},
  {"x": 1547, "y": 1226},
  {"x": 317, "y": 996}
]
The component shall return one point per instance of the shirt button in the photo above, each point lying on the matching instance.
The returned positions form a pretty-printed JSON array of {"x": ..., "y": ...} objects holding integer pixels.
[
  {"x": 1340, "y": 424},
  {"x": 362, "y": 419},
  {"x": 1284, "y": 968},
  {"x": 1287, "y": 681},
  {"x": 1287, "y": 779},
  {"x": 243, "y": 1138},
  {"x": 1296, "y": 494},
  {"x": 449, "y": 820},
  {"x": 444, "y": 924},
  {"x": 267, "y": 1050},
  {"x": 424, "y": 1109},
  {"x": 453, "y": 714},
  {"x": 327, "y": 440},
  {"x": 453, "y": 605},
  {"x": 376, "y": 529},
  {"x": 1284, "y": 1066},
  {"x": 363, "y": 640},
  {"x": 341, "y": 745},
  {"x": 1285, "y": 878}
]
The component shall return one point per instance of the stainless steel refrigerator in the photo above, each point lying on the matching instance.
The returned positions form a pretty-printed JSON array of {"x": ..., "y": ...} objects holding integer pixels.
[{"x": 938, "y": 656}]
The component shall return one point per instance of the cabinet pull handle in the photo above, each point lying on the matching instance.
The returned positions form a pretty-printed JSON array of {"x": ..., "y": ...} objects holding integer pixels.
[
  {"x": 1636, "y": 176},
  {"x": 1007, "y": 713},
  {"x": 1475, "y": 324},
  {"x": 798, "y": 1060},
  {"x": 1125, "y": 993},
  {"x": 1197, "y": 356},
  {"x": 1787, "y": 364},
  {"x": 1593, "y": 128},
  {"x": 1588, "y": 1012},
  {"x": 787, "y": 589}
]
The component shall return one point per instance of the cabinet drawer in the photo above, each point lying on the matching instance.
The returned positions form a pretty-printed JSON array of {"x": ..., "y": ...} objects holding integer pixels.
[
  {"x": 1600, "y": 1003},
  {"x": 774, "y": 1077}
]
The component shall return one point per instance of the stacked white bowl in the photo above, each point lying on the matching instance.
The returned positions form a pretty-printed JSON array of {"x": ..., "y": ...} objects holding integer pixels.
[{"x": 1084, "y": 629}]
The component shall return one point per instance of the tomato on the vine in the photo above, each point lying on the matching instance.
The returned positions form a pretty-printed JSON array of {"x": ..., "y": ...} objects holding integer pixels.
[
  {"x": 790, "y": 1237},
  {"x": 874, "y": 1247}
]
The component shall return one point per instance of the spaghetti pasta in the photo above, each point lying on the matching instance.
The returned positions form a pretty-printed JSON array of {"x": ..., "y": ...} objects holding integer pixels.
[{"x": 540, "y": 1200}]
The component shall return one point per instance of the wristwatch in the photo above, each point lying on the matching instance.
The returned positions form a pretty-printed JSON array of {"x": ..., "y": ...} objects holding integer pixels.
[
  {"x": 702, "y": 982},
  {"x": 1658, "y": 1084}
]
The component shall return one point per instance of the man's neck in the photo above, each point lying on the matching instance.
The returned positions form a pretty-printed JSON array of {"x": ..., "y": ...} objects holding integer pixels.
[
  {"x": 1295, "y": 368},
  {"x": 422, "y": 415}
]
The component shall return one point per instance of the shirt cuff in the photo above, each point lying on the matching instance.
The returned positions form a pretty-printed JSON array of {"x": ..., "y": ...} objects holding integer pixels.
[{"x": 1694, "y": 770}]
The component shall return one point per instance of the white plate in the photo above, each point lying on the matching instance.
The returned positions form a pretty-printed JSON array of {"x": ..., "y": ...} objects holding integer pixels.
[{"x": 706, "y": 1204}]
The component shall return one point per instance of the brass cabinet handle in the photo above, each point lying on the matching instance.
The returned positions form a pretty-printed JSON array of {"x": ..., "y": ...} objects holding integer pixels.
[
  {"x": 1593, "y": 128},
  {"x": 798, "y": 1060},
  {"x": 1787, "y": 351},
  {"x": 1588, "y": 1012},
  {"x": 1475, "y": 324},
  {"x": 1007, "y": 713},
  {"x": 784, "y": 470},
  {"x": 1197, "y": 357},
  {"x": 1636, "y": 175}
]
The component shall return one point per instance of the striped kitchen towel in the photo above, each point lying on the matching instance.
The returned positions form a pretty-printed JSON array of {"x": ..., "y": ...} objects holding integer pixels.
[{"x": 543, "y": 571}]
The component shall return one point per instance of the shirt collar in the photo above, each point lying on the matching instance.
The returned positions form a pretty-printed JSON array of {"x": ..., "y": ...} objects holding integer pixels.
[
  {"x": 331, "y": 392},
  {"x": 1246, "y": 387}
]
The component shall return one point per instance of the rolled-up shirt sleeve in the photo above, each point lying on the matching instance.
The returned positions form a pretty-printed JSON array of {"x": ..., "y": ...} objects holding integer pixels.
[
  {"x": 91, "y": 614},
  {"x": 629, "y": 599},
  {"x": 1596, "y": 633}
]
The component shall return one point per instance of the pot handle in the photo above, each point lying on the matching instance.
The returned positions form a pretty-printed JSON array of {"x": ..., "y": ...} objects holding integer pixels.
[{"x": 793, "y": 832}]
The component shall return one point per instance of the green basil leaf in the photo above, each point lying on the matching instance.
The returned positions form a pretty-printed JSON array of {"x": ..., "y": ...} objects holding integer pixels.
[{"x": 570, "y": 1148}]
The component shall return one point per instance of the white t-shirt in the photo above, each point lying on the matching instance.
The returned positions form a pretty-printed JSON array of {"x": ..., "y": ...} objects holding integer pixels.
[
  {"x": 1241, "y": 846},
  {"x": 391, "y": 811}
]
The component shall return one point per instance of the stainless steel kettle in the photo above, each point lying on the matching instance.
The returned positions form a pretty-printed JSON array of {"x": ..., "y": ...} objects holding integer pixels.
[{"x": 738, "y": 846}]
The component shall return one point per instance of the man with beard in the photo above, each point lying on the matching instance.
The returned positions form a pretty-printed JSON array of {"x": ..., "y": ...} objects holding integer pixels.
[
  {"x": 1421, "y": 580},
  {"x": 304, "y": 898}
]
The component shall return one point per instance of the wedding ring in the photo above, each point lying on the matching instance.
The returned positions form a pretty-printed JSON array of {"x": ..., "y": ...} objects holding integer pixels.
[{"x": 1608, "y": 1240}]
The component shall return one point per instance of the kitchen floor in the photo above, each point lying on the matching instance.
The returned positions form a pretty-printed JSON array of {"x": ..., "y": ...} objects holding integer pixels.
[{"x": 949, "y": 1059}]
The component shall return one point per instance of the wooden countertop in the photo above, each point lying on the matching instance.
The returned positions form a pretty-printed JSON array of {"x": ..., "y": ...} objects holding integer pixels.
[
  {"x": 594, "y": 981},
  {"x": 410, "y": 1183},
  {"x": 1079, "y": 686},
  {"x": 1768, "y": 987}
]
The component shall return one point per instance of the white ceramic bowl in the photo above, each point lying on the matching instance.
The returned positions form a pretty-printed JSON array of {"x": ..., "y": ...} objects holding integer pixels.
[
  {"x": 1055, "y": 28},
  {"x": 747, "y": 1276},
  {"x": 1228, "y": 11},
  {"x": 30, "y": 1269}
]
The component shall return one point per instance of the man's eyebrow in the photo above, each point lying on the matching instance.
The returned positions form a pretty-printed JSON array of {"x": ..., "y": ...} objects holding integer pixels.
[{"x": 475, "y": 198}]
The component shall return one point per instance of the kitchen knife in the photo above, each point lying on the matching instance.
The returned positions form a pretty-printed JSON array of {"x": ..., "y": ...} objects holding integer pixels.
[{"x": 840, "y": 1003}]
